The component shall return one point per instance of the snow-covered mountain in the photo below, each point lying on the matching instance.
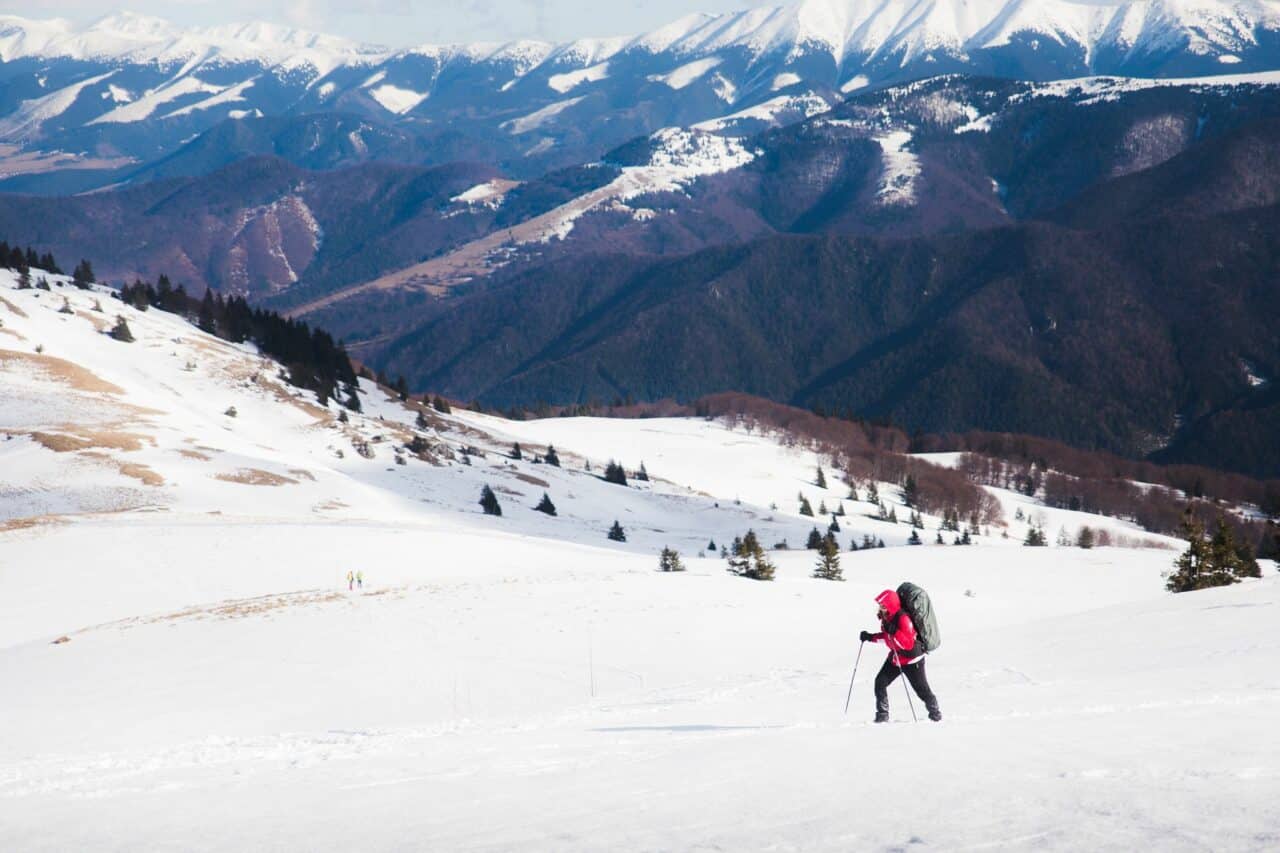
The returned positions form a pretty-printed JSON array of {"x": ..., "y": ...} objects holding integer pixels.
[
  {"x": 129, "y": 89},
  {"x": 183, "y": 645}
]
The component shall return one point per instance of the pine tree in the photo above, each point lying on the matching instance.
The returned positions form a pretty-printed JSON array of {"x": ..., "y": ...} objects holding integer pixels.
[
  {"x": 441, "y": 405},
  {"x": 121, "y": 330},
  {"x": 552, "y": 458},
  {"x": 613, "y": 473},
  {"x": 964, "y": 538},
  {"x": 939, "y": 540},
  {"x": 489, "y": 502},
  {"x": 828, "y": 565},
  {"x": 822, "y": 507},
  {"x": 868, "y": 541},
  {"x": 1035, "y": 537},
  {"x": 839, "y": 509},
  {"x": 893, "y": 515},
  {"x": 749, "y": 560},
  {"x": 670, "y": 561},
  {"x": 879, "y": 543},
  {"x": 815, "y": 540},
  {"x": 914, "y": 539},
  {"x": 66, "y": 307},
  {"x": 82, "y": 276},
  {"x": 910, "y": 492},
  {"x": 821, "y": 481},
  {"x": 711, "y": 547},
  {"x": 402, "y": 388},
  {"x": 24, "y": 279},
  {"x": 834, "y": 526},
  {"x": 805, "y": 509},
  {"x": 545, "y": 505},
  {"x": 1194, "y": 569},
  {"x": 853, "y": 544},
  {"x": 643, "y": 473},
  {"x": 616, "y": 533},
  {"x": 1084, "y": 539},
  {"x": 516, "y": 453},
  {"x": 873, "y": 493}
]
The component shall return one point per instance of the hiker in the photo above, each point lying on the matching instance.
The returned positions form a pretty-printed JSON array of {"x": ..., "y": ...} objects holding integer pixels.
[
  {"x": 360, "y": 578},
  {"x": 899, "y": 634},
  {"x": 351, "y": 580}
]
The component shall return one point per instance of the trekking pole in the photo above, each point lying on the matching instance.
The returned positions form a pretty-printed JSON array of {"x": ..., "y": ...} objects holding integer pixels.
[
  {"x": 914, "y": 718},
  {"x": 852, "y": 677}
]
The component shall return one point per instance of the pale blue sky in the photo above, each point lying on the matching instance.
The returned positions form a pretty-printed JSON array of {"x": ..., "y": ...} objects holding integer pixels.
[{"x": 405, "y": 22}]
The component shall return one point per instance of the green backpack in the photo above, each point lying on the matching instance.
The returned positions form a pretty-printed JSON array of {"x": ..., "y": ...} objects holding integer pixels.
[{"x": 916, "y": 602}]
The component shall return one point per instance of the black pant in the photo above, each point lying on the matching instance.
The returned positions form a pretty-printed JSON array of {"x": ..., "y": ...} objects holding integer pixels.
[{"x": 915, "y": 674}]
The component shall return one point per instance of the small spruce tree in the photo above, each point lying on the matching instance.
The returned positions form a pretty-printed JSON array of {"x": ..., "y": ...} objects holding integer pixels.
[
  {"x": 516, "y": 453},
  {"x": 828, "y": 564},
  {"x": 441, "y": 405},
  {"x": 914, "y": 538},
  {"x": 552, "y": 458},
  {"x": 613, "y": 473},
  {"x": 545, "y": 505},
  {"x": 815, "y": 540},
  {"x": 821, "y": 481},
  {"x": 643, "y": 473},
  {"x": 1084, "y": 539},
  {"x": 616, "y": 533},
  {"x": 670, "y": 561},
  {"x": 489, "y": 501},
  {"x": 1035, "y": 537},
  {"x": 805, "y": 509},
  {"x": 749, "y": 559},
  {"x": 121, "y": 330}
]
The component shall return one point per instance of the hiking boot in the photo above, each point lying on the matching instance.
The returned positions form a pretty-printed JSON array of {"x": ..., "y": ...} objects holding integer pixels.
[{"x": 881, "y": 717}]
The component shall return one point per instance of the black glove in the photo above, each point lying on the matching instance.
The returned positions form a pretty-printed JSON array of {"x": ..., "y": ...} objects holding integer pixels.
[{"x": 866, "y": 636}]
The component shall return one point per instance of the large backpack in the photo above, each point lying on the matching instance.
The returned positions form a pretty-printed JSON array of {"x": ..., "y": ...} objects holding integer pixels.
[{"x": 916, "y": 602}]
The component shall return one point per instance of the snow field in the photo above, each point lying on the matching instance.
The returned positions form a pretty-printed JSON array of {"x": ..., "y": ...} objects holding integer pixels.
[{"x": 521, "y": 682}]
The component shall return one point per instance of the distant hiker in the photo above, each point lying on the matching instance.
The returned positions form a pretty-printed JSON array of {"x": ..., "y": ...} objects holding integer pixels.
[
  {"x": 360, "y": 578},
  {"x": 351, "y": 580},
  {"x": 906, "y": 656}
]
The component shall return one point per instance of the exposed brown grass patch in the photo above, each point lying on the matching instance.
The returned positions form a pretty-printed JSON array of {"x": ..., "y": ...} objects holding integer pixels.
[
  {"x": 141, "y": 473},
  {"x": 65, "y": 442},
  {"x": 195, "y": 454},
  {"x": 30, "y": 522},
  {"x": 302, "y": 474},
  {"x": 59, "y": 370},
  {"x": 13, "y": 334},
  {"x": 531, "y": 480},
  {"x": 14, "y": 308},
  {"x": 99, "y": 322},
  {"x": 325, "y": 506},
  {"x": 255, "y": 477}
]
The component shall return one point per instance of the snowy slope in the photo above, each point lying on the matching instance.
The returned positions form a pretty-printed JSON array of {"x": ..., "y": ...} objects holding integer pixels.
[{"x": 522, "y": 683}]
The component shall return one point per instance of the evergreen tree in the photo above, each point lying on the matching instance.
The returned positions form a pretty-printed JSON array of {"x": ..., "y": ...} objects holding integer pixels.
[
  {"x": 613, "y": 473},
  {"x": 822, "y": 507},
  {"x": 422, "y": 422},
  {"x": 207, "y": 321},
  {"x": 121, "y": 330},
  {"x": 914, "y": 539},
  {"x": 489, "y": 501},
  {"x": 670, "y": 561},
  {"x": 868, "y": 541},
  {"x": 910, "y": 492},
  {"x": 1194, "y": 569},
  {"x": 964, "y": 539},
  {"x": 1227, "y": 556},
  {"x": 853, "y": 544},
  {"x": 939, "y": 540},
  {"x": 893, "y": 515},
  {"x": 1035, "y": 537},
  {"x": 839, "y": 509},
  {"x": 873, "y": 493},
  {"x": 821, "y": 481},
  {"x": 616, "y": 533},
  {"x": 552, "y": 458},
  {"x": 879, "y": 543},
  {"x": 66, "y": 307},
  {"x": 402, "y": 388},
  {"x": 82, "y": 276},
  {"x": 711, "y": 547},
  {"x": 805, "y": 509},
  {"x": 516, "y": 453},
  {"x": 815, "y": 540},
  {"x": 24, "y": 279},
  {"x": 545, "y": 505},
  {"x": 749, "y": 560},
  {"x": 828, "y": 565},
  {"x": 834, "y": 526},
  {"x": 643, "y": 473},
  {"x": 441, "y": 405},
  {"x": 1084, "y": 539}
]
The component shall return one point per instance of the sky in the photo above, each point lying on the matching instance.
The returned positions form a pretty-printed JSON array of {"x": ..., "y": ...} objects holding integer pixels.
[{"x": 398, "y": 23}]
